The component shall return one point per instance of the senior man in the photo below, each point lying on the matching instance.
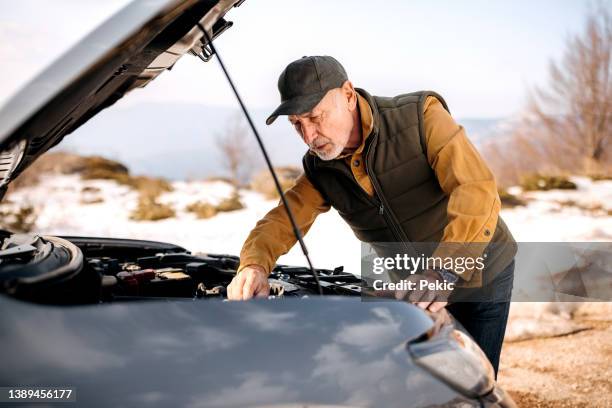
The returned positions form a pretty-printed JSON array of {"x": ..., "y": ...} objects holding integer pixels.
[{"x": 397, "y": 169}]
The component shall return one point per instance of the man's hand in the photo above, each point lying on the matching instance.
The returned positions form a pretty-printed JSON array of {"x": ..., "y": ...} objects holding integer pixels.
[
  {"x": 432, "y": 300},
  {"x": 251, "y": 281}
]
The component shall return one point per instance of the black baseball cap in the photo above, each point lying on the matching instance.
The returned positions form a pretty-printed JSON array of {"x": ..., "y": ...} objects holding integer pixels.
[{"x": 305, "y": 82}]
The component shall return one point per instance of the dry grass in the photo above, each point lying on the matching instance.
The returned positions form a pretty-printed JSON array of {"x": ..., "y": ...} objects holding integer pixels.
[
  {"x": 149, "y": 188},
  {"x": 202, "y": 210},
  {"x": 510, "y": 200},
  {"x": 264, "y": 184},
  {"x": 96, "y": 167},
  {"x": 18, "y": 218},
  {"x": 601, "y": 177},
  {"x": 594, "y": 209},
  {"x": 91, "y": 200},
  {"x": 48, "y": 163},
  {"x": 220, "y": 178},
  {"x": 542, "y": 182},
  {"x": 89, "y": 168},
  {"x": 100, "y": 168},
  {"x": 232, "y": 203},
  {"x": 149, "y": 209},
  {"x": 91, "y": 195}
]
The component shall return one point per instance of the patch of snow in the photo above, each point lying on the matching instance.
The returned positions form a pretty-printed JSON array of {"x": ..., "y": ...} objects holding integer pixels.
[
  {"x": 564, "y": 215},
  {"x": 58, "y": 201}
]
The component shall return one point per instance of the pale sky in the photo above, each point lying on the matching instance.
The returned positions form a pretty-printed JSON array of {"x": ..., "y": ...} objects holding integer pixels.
[{"x": 480, "y": 55}]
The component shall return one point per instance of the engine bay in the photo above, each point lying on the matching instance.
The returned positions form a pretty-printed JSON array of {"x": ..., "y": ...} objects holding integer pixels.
[{"x": 80, "y": 270}]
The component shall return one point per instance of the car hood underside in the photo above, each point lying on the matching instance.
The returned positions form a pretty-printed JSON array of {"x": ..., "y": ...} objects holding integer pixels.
[{"x": 127, "y": 51}]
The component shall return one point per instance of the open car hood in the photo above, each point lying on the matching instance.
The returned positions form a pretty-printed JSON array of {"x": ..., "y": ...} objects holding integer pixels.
[{"x": 127, "y": 51}]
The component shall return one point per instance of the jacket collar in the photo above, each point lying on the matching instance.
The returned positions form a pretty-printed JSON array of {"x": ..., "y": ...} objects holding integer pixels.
[{"x": 375, "y": 114}]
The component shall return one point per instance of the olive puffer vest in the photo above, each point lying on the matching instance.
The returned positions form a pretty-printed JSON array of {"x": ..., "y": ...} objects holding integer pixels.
[{"x": 408, "y": 205}]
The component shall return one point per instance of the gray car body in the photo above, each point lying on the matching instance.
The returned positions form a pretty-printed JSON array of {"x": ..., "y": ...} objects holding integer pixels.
[{"x": 202, "y": 353}]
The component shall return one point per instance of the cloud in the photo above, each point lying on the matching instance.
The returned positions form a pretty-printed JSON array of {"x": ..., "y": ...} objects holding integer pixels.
[
  {"x": 256, "y": 388},
  {"x": 53, "y": 343}
]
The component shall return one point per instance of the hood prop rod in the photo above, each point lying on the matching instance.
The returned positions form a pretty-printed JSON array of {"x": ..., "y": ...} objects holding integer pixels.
[{"x": 296, "y": 230}]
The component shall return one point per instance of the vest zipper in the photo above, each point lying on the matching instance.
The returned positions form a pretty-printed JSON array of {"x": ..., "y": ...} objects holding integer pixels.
[
  {"x": 389, "y": 216},
  {"x": 379, "y": 199}
]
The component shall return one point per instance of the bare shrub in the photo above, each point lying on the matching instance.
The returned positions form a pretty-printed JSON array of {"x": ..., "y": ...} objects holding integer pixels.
[
  {"x": 235, "y": 148},
  {"x": 264, "y": 184},
  {"x": 568, "y": 125},
  {"x": 574, "y": 112}
]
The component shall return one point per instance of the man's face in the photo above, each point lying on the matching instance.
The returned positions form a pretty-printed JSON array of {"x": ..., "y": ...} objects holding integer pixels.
[{"x": 327, "y": 127}]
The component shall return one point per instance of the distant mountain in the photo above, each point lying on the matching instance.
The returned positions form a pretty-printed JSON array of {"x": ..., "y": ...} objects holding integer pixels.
[
  {"x": 478, "y": 129},
  {"x": 482, "y": 131},
  {"x": 177, "y": 141}
]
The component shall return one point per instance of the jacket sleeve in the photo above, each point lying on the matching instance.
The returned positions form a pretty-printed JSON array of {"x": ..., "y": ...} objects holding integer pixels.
[
  {"x": 474, "y": 204},
  {"x": 273, "y": 235}
]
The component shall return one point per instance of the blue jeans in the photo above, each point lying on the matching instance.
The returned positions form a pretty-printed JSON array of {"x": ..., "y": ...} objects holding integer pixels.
[{"x": 486, "y": 321}]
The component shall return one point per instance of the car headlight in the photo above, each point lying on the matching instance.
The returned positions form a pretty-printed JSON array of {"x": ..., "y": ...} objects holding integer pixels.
[{"x": 453, "y": 357}]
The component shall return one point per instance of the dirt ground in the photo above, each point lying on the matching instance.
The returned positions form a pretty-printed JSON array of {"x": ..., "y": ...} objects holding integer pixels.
[{"x": 573, "y": 370}]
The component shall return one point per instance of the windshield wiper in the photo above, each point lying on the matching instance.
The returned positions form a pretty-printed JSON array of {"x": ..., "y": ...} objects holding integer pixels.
[{"x": 296, "y": 230}]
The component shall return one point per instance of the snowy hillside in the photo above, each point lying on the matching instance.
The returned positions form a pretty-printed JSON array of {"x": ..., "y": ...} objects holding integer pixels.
[
  {"x": 59, "y": 203},
  {"x": 67, "y": 205},
  {"x": 584, "y": 214}
]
